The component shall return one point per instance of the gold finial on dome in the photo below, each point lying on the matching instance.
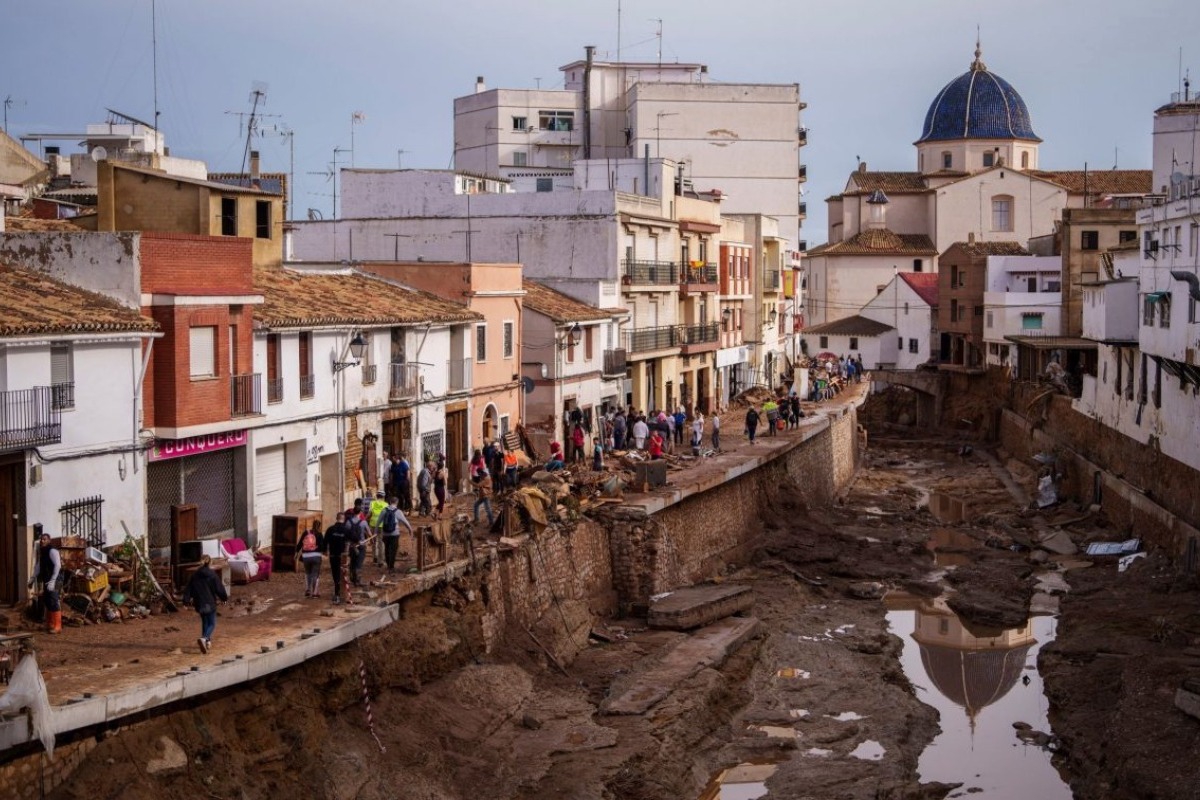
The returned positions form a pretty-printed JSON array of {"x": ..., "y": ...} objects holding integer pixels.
[{"x": 977, "y": 65}]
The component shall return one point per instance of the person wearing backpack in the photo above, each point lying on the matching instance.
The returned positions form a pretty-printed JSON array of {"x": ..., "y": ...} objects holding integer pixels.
[
  {"x": 311, "y": 545},
  {"x": 389, "y": 524},
  {"x": 335, "y": 545}
]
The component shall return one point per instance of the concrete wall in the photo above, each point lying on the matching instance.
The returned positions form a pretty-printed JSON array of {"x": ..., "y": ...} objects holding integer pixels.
[{"x": 107, "y": 263}]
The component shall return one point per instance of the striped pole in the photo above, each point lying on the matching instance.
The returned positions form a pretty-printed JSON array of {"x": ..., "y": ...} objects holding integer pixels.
[{"x": 362, "y": 673}]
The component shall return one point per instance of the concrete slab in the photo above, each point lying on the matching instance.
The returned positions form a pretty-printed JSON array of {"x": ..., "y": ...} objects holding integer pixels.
[
  {"x": 707, "y": 647},
  {"x": 1188, "y": 701},
  {"x": 696, "y": 606}
]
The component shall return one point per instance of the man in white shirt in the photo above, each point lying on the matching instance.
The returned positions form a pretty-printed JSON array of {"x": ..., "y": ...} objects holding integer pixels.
[{"x": 640, "y": 431}]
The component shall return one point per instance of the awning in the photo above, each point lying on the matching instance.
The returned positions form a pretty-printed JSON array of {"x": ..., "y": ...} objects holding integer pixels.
[{"x": 1156, "y": 297}]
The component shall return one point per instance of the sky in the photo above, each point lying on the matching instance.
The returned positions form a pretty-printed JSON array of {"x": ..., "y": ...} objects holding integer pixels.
[{"x": 1091, "y": 71}]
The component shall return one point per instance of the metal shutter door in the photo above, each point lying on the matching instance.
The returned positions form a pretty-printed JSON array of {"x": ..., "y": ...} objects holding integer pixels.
[{"x": 270, "y": 485}]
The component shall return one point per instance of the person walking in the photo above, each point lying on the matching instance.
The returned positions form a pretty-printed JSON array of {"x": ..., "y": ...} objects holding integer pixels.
[
  {"x": 389, "y": 524},
  {"x": 424, "y": 489},
  {"x": 440, "y": 477},
  {"x": 335, "y": 545},
  {"x": 49, "y": 575},
  {"x": 373, "y": 511},
  {"x": 680, "y": 422},
  {"x": 716, "y": 433},
  {"x": 510, "y": 468},
  {"x": 483, "y": 497},
  {"x": 204, "y": 589},
  {"x": 577, "y": 443},
  {"x": 357, "y": 535},
  {"x": 771, "y": 409},
  {"x": 751, "y": 423},
  {"x": 402, "y": 481},
  {"x": 311, "y": 544},
  {"x": 619, "y": 431}
]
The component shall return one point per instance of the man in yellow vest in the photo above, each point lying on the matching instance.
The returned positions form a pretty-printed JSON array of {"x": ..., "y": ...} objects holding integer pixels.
[{"x": 373, "y": 513}]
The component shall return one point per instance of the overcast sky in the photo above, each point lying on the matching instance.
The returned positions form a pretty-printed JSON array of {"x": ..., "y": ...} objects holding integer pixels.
[{"x": 1091, "y": 71}]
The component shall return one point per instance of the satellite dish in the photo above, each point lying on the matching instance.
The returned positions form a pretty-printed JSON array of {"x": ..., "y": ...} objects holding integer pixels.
[
  {"x": 99, "y": 153},
  {"x": 527, "y": 384}
]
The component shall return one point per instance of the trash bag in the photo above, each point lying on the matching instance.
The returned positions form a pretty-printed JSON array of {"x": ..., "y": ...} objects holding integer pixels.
[
  {"x": 1047, "y": 494},
  {"x": 26, "y": 689}
]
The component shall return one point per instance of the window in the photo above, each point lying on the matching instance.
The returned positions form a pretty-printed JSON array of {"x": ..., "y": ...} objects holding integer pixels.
[
  {"x": 918, "y": 265},
  {"x": 1148, "y": 310},
  {"x": 900, "y": 343},
  {"x": 481, "y": 343},
  {"x": 508, "y": 340},
  {"x": 990, "y": 322},
  {"x": 556, "y": 120},
  {"x": 1129, "y": 376},
  {"x": 274, "y": 381},
  {"x": 62, "y": 378},
  {"x": 906, "y": 308},
  {"x": 520, "y": 159},
  {"x": 853, "y": 342},
  {"x": 588, "y": 332},
  {"x": 947, "y": 160},
  {"x": 545, "y": 184},
  {"x": 979, "y": 311},
  {"x": 1158, "y": 384},
  {"x": 1025, "y": 160},
  {"x": 1142, "y": 388},
  {"x": 989, "y": 159},
  {"x": 1191, "y": 309},
  {"x": 520, "y": 123},
  {"x": 1002, "y": 213},
  {"x": 1031, "y": 321},
  {"x": 1164, "y": 313},
  {"x": 1127, "y": 236},
  {"x": 262, "y": 219},
  {"x": 229, "y": 216},
  {"x": 913, "y": 346},
  {"x": 202, "y": 349},
  {"x": 953, "y": 310},
  {"x": 307, "y": 381},
  {"x": 1089, "y": 240},
  {"x": 823, "y": 342},
  {"x": 1193, "y": 239}
]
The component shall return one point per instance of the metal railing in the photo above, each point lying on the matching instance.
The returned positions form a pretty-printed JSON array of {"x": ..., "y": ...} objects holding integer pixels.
[
  {"x": 84, "y": 518},
  {"x": 803, "y": 172},
  {"x": 406, "y": 382},
  {"x": 706, "y": 273},
  {"x": 245, "y": 395},
  {"x": 62, "y": 395},
  {"x": 771, "y": 280},
  {"x": 802, "y": 209},
  {"x": 642, "y": 340},
  {"x": 654, "y": 273},
  {"x": 308, "y": 386},
  {"x": 28, "y": 418},
  {"x": 275, "y": 390},
  {"x": 615, "y": 362},
  {"x": 370, "y": 374},
  {"x": 702, "y": 334},
  {"x": 460, "y": 374}
]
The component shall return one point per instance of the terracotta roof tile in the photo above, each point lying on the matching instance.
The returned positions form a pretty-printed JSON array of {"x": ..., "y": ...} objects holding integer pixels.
[
  {"x": 879, "y": 242},
  {"x": 1111, "y": 181},
  {"x": 890, "y": 182},
  {"x": 294, "y": 298},
  {"x": 30, "y": 224},
  {"x": 558, "y": 306},
  {"x": 975, "y": 249},
  {"x": 850, "y": 326},
  {"x": 34, "y": 304},
  {"x": 925, "y": 284}
]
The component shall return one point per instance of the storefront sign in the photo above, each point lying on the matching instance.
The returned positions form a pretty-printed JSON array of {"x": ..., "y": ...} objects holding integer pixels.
[{"x": 194, "y": 445}]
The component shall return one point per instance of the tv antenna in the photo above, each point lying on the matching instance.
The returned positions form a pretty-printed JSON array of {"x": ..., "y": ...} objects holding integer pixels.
[
  {"x": 258, "y": 96},
  {"x": 658, "y": 35},
  {"x": 290, "y": 135},
  {"x": 9, "y": 102},
  {"x": 331, "y": 175}
]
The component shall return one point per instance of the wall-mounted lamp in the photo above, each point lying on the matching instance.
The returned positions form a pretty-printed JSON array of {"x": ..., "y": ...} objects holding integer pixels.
[
  {"x": 121, "y": 468},
  {"x": 571, "y": 338},
  {"x": 727, "y": 313},
  {"x": 358, "y": 346},
  {"x": 774, "y": 315}
]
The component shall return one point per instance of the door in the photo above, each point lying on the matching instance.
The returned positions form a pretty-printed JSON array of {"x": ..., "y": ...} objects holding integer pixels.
[
  {"x": 270, "y": 485},
  {"x": 12, "y": 554},
  {"x": 456, "y": 446}
]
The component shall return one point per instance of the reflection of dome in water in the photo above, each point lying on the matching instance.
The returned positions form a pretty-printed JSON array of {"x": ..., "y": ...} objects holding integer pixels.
[{"x": 973, "y": 679}]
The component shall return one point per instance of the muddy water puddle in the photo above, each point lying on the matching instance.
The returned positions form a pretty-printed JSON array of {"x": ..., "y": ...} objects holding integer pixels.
[
  {"x": 951, "y": 547},
  {"x": 746, "y": 781},
  {"x": 981, "y": 682}
]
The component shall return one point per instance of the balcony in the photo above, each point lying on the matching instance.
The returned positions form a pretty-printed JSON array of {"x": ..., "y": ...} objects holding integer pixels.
[
  {"x": 28, "y": 418},
  {"x": 802, "y": 210},
  {"x": 803, "y": 173},
  {"x": 245, "y": 395},
  {"x": 615, "y": 362},
  {"x": 644, "y": 340},
  {"x": 308, "y": 386},
  {"x": 274, "y": 390},
  {"x": 370, "y": 374},
  {"x": 406, "y": 382},
  {"x": 694, "y": 280},
  {"x": 62, "y": 395},
  {"x": 772, "y": 280},
  {"x": 701, "y": 338},
  {"x": 460, "y": 374},
  {"x": 802, "y": 136},
  {"x": 648, "y": 273}
]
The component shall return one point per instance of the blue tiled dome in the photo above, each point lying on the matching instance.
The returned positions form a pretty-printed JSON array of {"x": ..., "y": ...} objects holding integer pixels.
[{"x": 977, "y": 105}]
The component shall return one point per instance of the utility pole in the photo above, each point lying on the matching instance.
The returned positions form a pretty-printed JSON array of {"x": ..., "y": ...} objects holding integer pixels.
[
  {"x": 355, "y": 118},
  {"x": 400, "y": 159}
]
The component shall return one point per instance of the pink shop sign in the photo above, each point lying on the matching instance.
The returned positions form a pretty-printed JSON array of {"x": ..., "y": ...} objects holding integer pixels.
[{"x": 194, "y": 445}]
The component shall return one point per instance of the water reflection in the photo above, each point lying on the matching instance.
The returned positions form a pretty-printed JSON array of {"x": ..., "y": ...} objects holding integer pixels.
[
  {"x": 947, "y": 545},
  {"x": 744, "y": 782},
  {"x": 980, "y": 681},
  {"x": 947, "y": 508}
]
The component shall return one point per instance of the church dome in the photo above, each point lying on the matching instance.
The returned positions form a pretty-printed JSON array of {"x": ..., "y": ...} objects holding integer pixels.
[{"x": 978, "y": 104}]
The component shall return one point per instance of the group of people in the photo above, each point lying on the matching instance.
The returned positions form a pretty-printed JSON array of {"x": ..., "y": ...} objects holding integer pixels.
[
  {"x": 780, "y": 412},
  {"x": 828, "y": 376},
  {"x": 431, "y": 484},
  {"x": 656, "y": 433}
]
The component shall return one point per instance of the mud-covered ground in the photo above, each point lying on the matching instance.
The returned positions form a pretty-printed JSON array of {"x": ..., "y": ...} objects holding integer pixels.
[{"x": 821, "y": 679}]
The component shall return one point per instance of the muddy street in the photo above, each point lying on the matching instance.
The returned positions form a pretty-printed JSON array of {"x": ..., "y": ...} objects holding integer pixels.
[{"x": 888, "y": 654}]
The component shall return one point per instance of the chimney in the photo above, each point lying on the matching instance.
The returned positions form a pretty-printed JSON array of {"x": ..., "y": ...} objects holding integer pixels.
[
  {"x": 862, "y": 166},
  {"x": 480, "y": 86},
  {"x": 254, "y": 163},
  {"x": 971, "y": 237}
]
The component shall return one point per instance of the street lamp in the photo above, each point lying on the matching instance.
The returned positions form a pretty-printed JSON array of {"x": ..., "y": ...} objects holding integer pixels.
[
  {"x": 571, "y": 337},
  {"x": 357, "y": 346}
]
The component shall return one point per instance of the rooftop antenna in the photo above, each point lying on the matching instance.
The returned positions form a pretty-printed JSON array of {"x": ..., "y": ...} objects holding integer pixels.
[
  {"x": 154, "y": 56},
  {"x": 355, "y": 118},
  {"x": 331, "y": 175},
  {"x": 400, "y": 158},
  {"x": 618, "y": 31},
  {"x": 9, "y": 102},
  {"x": 658, "y": 35},
  {"x": 290, "y": 135},
  {"x": 258, "y": 95},
  {"x": 538, "y": 81},
  {"x": 1116, "y": 157}
]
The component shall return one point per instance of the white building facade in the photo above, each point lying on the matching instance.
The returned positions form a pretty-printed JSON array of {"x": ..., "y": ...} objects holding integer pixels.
[{"x": 1022, "y": 297}]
